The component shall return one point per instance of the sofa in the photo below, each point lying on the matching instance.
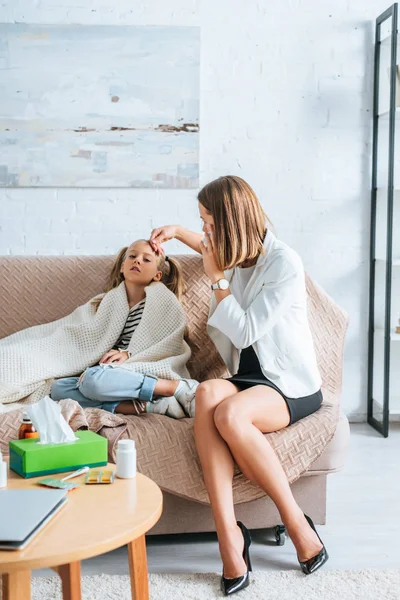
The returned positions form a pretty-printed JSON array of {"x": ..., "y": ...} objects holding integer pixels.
[{"x": 39, "y": 289}]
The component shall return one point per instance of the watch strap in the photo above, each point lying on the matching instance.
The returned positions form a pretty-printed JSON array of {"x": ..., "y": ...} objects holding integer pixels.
[{"x": 216, "y": 285}]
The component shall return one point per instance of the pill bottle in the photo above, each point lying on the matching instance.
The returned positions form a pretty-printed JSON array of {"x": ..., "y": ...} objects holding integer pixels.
[
  {"x": 27, "y": 429},
  {"x": 126, "y": 459}
]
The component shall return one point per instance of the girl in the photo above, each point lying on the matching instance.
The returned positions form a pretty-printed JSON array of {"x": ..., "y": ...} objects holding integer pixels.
[
  {"x": 133, "y": 334},
  {"x": 258, "y": 322},
  {"x": 109, "y": 385}
]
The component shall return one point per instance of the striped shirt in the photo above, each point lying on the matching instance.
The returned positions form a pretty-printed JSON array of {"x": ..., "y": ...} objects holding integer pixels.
[{"x": 133, "y": 320}]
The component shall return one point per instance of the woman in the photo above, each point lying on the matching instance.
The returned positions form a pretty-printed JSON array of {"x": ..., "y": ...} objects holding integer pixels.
[{"x": 258, "y": 322}]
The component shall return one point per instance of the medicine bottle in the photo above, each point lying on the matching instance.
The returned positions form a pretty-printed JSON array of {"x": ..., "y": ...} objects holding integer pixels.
[
  {"x": 27, "y": 429},
  {"x": 126, "y": 459}
]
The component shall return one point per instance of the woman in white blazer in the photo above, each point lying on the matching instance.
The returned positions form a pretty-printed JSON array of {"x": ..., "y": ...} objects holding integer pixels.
[{"x": 258, "y": 322}]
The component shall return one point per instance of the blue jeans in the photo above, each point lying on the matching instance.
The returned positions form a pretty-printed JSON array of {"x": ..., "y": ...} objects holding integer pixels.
[{"x": 104, "y": 386}]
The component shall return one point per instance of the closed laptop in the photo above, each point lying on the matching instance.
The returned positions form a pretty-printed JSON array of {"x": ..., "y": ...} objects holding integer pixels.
[{"x": 23, "y": 513}]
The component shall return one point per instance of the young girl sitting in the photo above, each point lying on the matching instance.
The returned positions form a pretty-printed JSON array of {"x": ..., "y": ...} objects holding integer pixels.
[{"x": 133, "y": 335}]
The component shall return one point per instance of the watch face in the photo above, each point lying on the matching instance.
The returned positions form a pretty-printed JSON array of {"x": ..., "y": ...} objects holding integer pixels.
[{"x": 223, "y": 284}]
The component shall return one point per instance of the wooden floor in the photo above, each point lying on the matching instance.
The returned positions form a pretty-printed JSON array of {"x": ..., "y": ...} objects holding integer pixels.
[{"x": 362, "y": 531}]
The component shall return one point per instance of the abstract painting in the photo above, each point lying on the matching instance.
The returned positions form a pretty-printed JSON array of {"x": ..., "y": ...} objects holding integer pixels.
[{"x": 99, "y": 106}]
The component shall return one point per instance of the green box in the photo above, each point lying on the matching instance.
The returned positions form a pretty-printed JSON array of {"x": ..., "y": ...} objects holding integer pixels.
[{"x": 30, "y": 459}]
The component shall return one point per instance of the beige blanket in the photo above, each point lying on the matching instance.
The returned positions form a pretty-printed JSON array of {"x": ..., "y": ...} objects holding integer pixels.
[{"x": 31, "y": 358}]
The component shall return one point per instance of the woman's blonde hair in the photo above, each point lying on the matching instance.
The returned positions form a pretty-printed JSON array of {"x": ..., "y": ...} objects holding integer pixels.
[
  {"x": 240, "y": 222},
  {"x": 172, "y": 275}
]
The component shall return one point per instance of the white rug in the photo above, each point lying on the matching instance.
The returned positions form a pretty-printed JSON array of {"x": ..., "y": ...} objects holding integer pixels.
[{"x": 265, "y": 585}]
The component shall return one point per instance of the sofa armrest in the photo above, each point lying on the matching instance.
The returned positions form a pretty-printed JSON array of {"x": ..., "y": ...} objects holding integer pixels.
[{"x": 333, "y": 457}]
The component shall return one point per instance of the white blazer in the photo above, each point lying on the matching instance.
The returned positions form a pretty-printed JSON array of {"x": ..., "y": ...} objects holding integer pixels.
[{"x": 271, "y": 315}]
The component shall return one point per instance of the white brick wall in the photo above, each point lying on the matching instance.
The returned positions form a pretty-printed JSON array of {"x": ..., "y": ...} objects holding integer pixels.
[{"x": 285, "y": 103}]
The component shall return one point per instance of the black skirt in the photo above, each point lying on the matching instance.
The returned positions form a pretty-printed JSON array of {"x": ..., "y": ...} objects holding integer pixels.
[{"x": 250, "y": 374}]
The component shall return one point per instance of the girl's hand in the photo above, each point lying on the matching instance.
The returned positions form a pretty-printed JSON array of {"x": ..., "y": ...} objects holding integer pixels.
[
  {"x": 211, "y": 267},
  {"x": 160, "y": 235},
  {"x": 114, "y": 356}
]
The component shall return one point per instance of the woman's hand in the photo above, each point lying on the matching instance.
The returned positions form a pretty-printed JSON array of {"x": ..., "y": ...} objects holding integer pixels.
[
  {"x": 211, "y": 267},
  {"x": 160, "y": 235},
  {"x": 114, "y": 356}
]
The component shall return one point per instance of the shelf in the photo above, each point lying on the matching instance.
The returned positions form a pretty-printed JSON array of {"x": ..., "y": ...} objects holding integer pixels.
[
  {"x": 385, "y": 225},
  {"x": 382, "y": 191},
  {"x": 395, "y": 261},
  {"x": 386, "y": 42},
  {"x": 394, "y": 407},
  {"x": 384, "y": 116},
  {"x": 395, "y": 337}
]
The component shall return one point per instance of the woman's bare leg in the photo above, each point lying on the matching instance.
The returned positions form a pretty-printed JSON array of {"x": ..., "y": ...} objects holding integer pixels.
[
  {"x": 241, "y": 420},
  {"x": 218, "y": 466}
]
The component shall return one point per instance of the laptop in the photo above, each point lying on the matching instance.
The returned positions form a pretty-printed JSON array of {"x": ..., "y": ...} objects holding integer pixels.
[{"x": 23, "y": 513}]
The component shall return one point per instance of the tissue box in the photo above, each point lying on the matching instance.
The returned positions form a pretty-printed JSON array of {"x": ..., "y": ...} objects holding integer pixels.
[{"x": 30, "y": 459}]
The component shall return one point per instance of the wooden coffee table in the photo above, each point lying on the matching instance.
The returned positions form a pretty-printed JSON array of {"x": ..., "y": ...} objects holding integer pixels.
[{"x": 96, "y": 519}]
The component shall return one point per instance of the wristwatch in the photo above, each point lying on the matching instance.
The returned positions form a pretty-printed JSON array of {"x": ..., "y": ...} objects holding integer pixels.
[{"x": 221, "y": 284}]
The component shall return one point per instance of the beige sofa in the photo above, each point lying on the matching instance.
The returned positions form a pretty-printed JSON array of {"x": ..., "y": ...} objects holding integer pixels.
[{"x": 35, "y": 290}]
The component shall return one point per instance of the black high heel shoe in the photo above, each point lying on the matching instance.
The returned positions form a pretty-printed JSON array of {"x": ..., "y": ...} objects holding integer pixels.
[
  {"x": 231, "y": 586},
  {"x": 313, "y": 564}
]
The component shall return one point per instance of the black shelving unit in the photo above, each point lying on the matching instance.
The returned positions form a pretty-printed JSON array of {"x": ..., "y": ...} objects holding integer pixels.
[{"x": 382, "y": 196}]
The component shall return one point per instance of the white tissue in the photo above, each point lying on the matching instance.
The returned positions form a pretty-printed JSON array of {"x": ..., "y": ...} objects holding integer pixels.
[{"x": 50, "y": 423}]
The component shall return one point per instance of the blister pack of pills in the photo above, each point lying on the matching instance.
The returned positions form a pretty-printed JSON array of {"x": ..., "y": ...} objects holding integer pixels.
[{"x": 100, "y": 476}]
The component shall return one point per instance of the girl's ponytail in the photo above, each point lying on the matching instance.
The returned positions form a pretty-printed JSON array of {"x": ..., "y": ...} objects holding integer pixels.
[
  {"x": 173, "y": 277},
  {"x": 115, "y": 277}
]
